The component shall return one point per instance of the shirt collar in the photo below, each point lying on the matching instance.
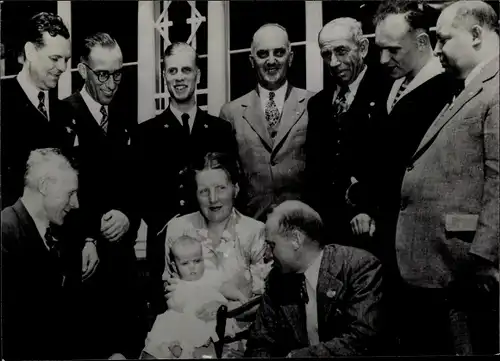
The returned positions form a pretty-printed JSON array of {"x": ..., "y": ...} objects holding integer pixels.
[
  {"x": 94, "y": 106},
  {"x": 312, "y": 272},
  {"x": 278, "y": 93},
  {"x": 191, "y": 113},
  {"x": 30, "y": 88},
  {"x": 477, "y": 69},
  {"x": 40, "y": 224}
]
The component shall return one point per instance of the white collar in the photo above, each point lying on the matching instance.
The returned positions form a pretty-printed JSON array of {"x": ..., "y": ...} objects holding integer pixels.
[
  {"x": 31, "y": 89},
  {"x": 477, "y": 69},
  {"x": 279, "y": 96},
  {"x": 429, "y": 70},
  {"x": 192, "y": 115},
  {"x": 312, "y": 272},
  {"x": 93, "y": 105},
  {"x": 41, "y": 225}
]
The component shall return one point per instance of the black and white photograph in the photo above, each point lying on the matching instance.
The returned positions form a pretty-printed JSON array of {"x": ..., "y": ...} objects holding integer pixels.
[{"x": 249, "y": 179}]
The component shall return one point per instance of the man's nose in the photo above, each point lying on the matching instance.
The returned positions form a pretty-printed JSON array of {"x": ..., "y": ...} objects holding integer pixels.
[
  {"x": 110, "y": 83},
  {"x": 384, "y": 57},
  {"x": 334, "y": 61},
  {"x": 74, "y": 203},
  {"x": 437, "y": 50},
  {"x": 61, "y": 65}
]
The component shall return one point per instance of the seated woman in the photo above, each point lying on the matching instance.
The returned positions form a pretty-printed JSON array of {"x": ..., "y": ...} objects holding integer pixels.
[
  {"x": 232, "y": 242},
  {"x": 178, "y": 332}
]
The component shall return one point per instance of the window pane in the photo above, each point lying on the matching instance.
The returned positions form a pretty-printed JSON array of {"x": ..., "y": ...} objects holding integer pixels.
[
  {"x": 90, "y": 17},
  {"x": 247, "y": 16},
  {"x": 243, "y": 77},
  {"x": 15, "y": 15}
]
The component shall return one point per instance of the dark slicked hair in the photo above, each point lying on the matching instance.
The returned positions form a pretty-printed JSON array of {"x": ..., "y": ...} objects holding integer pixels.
[
  {"x": 172, "y": 48},
  {"x": 302, "y": 220},
  {"x": 414, "y": 11},
  {"x": 479, "y": 12},
  {"x": 41, "y": 23},
  {"x": 99, "y": 39}
]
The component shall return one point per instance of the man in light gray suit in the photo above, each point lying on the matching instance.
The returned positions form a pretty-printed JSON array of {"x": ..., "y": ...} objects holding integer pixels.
[
  {"x": 270, "y": 124},
  {"x": 448, "y": 226}
]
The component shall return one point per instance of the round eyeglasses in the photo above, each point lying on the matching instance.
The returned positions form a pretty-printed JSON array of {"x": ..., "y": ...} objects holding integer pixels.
[{"x": 103, "y": 75}]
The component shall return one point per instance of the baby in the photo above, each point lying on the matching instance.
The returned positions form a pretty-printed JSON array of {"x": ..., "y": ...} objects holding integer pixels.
[{"x": 177, "y": 332}]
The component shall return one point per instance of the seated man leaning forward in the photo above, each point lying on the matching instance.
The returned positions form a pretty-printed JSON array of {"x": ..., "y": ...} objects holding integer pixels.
[
  {"x": 319, "y": 301},
  {"x": 178, "y": 332}
]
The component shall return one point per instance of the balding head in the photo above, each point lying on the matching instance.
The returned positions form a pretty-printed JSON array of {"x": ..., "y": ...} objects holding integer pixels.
[
  {"x": 271, "y": 56},
  {"x": 467, "y": 34}
]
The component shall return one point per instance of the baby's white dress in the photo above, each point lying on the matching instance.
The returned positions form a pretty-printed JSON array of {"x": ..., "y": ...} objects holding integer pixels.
[{"x": 179, "y": 323}]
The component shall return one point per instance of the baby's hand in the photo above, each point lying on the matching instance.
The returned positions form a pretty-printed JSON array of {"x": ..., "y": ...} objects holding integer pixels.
[
  {"x": 176, "y": 349},
  {"x": 232, "y": 293}
]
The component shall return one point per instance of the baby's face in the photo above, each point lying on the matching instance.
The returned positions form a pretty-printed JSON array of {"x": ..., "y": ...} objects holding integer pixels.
[{"x": 189, "y": 261}]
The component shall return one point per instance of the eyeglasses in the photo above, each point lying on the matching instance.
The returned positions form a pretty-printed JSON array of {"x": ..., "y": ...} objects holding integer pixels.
[{"x": 103, "y": 76}]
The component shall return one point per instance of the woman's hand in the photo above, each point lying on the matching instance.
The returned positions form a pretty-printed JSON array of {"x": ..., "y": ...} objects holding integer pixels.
[
  {"x": 208, "y": 312},
  {"x": 169, "y": 286}
]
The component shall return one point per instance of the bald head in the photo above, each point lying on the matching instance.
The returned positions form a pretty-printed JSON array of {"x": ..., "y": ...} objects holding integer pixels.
[
  {"x": 274, "y": 33},
  {"x": 467, "y": 14},
  {"x": 349, "y": 27}
]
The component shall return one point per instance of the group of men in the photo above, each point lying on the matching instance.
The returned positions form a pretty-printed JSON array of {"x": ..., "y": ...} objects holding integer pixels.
[{"x": 400, "y": 160}]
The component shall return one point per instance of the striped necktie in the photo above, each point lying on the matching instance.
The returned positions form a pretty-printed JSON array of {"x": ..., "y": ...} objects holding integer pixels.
[
  {"x": 104, "y": 119},
  {"x": 340, "y": 102},
  {"x": 401, "y": 90},
  {"x": 41, "y": 104}
]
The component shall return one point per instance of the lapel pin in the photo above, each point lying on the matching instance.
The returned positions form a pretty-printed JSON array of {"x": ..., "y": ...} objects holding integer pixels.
[
  {"x": 165, "y": 126},
  {"x": 372, "y": 104},
  {"x": 205, "y": 125},
  {"x": 73, "y": 121},
  {"x": 330, "y": 293}
]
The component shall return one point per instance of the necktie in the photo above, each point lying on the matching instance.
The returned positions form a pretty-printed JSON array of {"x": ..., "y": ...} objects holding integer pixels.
[
  {"x": 272, "y": 115},
  {"x": 185, "y": 123},
  {"x": 401, "y": 90},
  {"x": 51, "y": 242},
  {"x": 41, "y": 104},
  {"x": 303, "y": 290},
  {"x": 104, "y": 119},
  {"x": 340, "y": 103}
]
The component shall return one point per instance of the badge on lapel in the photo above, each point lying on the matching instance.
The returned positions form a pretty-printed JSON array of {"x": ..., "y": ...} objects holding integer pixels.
[
  {"x": 165, "y": 126},
  {"x": 331, "y": 293},
  {"x": 205, "y": 125}
]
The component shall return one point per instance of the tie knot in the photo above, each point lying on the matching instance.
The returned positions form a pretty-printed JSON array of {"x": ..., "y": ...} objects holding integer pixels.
[
  {"x": 272, "y": 95},
  {"x": 185, "y": 117},
  {"x": 103, "y": 111},
  {"x": 41, "y": 96},
  {"x": 49, "y": 238}
]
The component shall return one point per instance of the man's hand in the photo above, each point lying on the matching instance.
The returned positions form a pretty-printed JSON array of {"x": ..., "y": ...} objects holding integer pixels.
[
  {"x": 114, "y": 225},
  {"x": 90, "y": 260},
  {"x": 208, "y": 312},
  {"x": 362, "y": 224},
  {"x": 117, "y": 356}
]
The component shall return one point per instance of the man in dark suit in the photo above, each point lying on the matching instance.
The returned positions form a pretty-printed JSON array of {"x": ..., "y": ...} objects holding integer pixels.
[
  {"x": 108, "y": 212},
  {"x": 320, "y": 301},
  {"x": 270, "y": 124},
  {"x": 166, "y": 146},
  {"x": 448, "y": 230},
  {"x": 340, "y": 120},
  {"x": 30, "y": 108},
  {"x": 41, "y": 273}
]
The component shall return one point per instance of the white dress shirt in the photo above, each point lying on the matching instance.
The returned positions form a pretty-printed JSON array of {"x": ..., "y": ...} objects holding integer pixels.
[
  {"x": 41, "y": 225},
  {"x": 32, "y": 90},
  {"x": 353, "y": 88},
  {"x": 191, "y": 113},
  {"x": 94, "y": 107},
  {"x": 279, "y": 97},
  {"x": 429, "y": 70},
  {"x": 311, "y": 275}
]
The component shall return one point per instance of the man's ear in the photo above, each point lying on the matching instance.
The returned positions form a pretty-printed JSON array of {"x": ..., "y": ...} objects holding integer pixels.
[
  {"x": 477, "y": 35},
  {"x": 43, "y": 185},
  {"x": 236, "y": 190},
  {"x": 29, "y": 51},
  {"x": 82, "y": 69},
  {"x": 364, "y": 44},
  {"x": 290, "y": 58},
  {"x": 198, "y": 76},
  {"x": 297, "y": 239},
  {"x": 423, "y": 41},
  {"x": 252, "y": 60}
]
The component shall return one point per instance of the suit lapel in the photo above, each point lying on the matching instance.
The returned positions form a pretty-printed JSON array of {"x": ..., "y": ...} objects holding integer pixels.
[
  {"x": 28, "y": 226},
  {"x": 296, "y": 316},
  {"x": 292, "y": 111},
  {"x": 329, "y": 288},
  {"x": 255, "y": 117}
]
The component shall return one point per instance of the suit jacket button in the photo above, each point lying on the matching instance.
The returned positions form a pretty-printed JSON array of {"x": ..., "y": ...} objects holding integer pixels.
[{"x": 181, "y": 186}]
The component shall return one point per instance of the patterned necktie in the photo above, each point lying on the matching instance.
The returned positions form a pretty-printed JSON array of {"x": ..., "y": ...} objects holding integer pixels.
[
  {"x": 303, "y": 290},
  {"x": 340, "y": 103},
  {"x": 185, "y": 123},
  {"x": 52, "y": 243},
  {"x": 104, "y": 119},
  {"x": 41, "y": 104},
  {"x": 272, "y": 115},
  {"x": 401, "y": 90}
]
